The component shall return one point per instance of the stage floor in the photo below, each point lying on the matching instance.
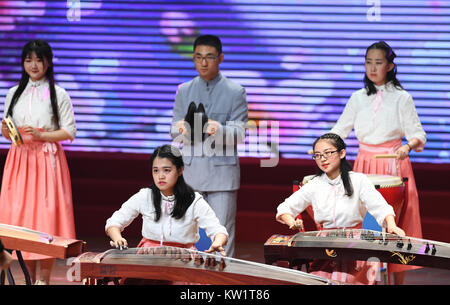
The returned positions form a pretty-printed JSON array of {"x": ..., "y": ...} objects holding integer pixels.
[{"x": 244, "y": 250}]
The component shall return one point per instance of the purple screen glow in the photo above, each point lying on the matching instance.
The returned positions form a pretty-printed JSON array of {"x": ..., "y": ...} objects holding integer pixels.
[{"x": 121, "y": 63}]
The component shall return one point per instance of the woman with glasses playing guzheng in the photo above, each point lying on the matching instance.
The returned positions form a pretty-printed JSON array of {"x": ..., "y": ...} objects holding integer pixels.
[
  {"x": 339, "y": 198},
  {"x": 382, "y": 113},
  {"x": 171, "y": 210}
]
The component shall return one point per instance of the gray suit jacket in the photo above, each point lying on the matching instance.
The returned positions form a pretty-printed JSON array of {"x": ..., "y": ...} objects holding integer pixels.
[{"x": 213, "y": 165}]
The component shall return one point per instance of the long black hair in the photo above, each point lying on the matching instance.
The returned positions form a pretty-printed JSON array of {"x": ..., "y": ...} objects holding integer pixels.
[
  {"x": 184, "y": 194},
  {"x": 345, "y": 166},
  {"x": 391, "y": 75},
  {"x": 43, "y": 51}
]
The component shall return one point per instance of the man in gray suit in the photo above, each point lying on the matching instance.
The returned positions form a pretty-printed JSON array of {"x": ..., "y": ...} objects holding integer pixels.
[{"x": 212, "y": 164}]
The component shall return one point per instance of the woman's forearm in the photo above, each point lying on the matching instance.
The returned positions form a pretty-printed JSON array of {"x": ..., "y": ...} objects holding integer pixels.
[
  {"x": 55, "y": 136},
  {"x": 114, "y": 233}
]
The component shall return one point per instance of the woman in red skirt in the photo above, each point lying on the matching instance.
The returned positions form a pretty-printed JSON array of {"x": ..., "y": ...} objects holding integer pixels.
[
  {"x": 382, "y": 113},
  {"x": 36, "y": 190}
]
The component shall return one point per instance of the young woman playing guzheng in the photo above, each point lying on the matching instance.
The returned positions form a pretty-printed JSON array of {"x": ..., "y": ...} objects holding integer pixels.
[
  {"x": 382, "y": 113},
  {"x": 172, "y": 212},
  {"x": 340, "y": 199},
  {"x": 36, "y": 189}
]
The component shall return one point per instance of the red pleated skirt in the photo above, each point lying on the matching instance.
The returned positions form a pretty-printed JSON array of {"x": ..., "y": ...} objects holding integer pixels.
[
  {"x": 410, "y": 216},
  {"x": 36, "y": 190}
]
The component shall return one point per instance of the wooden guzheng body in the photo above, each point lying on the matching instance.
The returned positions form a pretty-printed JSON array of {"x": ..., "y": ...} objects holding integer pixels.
[
  {"x": 23, "y": 239},
  {"x": 185, "y": 265},
  {"x": 359, "y": 244}
]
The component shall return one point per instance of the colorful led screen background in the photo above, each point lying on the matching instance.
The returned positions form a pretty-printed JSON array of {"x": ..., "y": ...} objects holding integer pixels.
[{"x": 121, "y": 62}]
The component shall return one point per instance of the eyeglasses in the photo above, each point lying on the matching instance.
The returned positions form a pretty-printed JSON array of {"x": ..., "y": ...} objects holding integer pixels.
[
  {"x": 208, "y": 58},
  {"x": 325, "y": 155}
]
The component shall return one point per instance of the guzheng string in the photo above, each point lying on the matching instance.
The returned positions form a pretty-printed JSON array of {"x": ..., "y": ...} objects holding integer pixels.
[
  {"x": 337, "y": 235},
  {"x": 229, "y": 261}
]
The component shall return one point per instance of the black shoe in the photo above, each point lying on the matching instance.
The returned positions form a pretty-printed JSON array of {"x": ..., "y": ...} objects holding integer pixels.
[
  {"x": 189, "y": 118},
  {"x": 204, "y": 117}
]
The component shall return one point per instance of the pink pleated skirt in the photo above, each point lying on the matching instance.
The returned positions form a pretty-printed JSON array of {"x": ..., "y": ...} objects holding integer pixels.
[
  {"x": 36, "y": 190},
  {"x": 410, "y": 216}
]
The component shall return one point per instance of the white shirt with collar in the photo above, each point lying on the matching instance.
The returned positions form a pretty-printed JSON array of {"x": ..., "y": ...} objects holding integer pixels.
[
  {"x": 332, "y": 208},
  {"x": 376, "y": 123},
  {"x": 167, "y": 228},
  {"x": 34, "y": 108}
]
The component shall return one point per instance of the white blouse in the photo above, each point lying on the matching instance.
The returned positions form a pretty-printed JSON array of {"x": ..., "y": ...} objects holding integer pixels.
[
  {"x": 34, "y": 108},
  {"x": 377, "y": 122},
  {"x": 332, "y": 208},
  {"x": 169, "y": 229}
]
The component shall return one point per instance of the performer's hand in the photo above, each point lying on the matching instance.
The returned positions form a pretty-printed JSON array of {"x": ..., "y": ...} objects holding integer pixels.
[
  {"x": 5, "y": 130},
  {"x": 120, "y": 243},
  {"x": 297, "y": 224},
  {"x": 420, "y": 147},
  {"x": 220, "y": 240},
  {"x": 402, "y": 152},
  {"x": 391, "y": 226},
  {"x": 216, "y": 248},
  {"x": 396, "y": 230},
  {"x": 291, "y": 222},
  {"x": 5, "y": 259},
  {"x": 212, "y": 127},
  {"x": 32, "y": 131},
  {"x": 181, "y": 127}
]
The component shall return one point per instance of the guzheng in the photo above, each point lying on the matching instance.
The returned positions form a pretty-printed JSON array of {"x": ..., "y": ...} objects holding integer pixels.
[
  {"x": 185, "y": 265},
  {"x": 357, "y": 244},
  {"x": 23, "y": 239}
]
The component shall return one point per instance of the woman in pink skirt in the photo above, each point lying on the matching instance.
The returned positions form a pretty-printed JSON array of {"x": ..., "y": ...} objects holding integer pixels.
[
  {"x": 36, "y": 189},
  {"x": 382, "y": 113}
]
